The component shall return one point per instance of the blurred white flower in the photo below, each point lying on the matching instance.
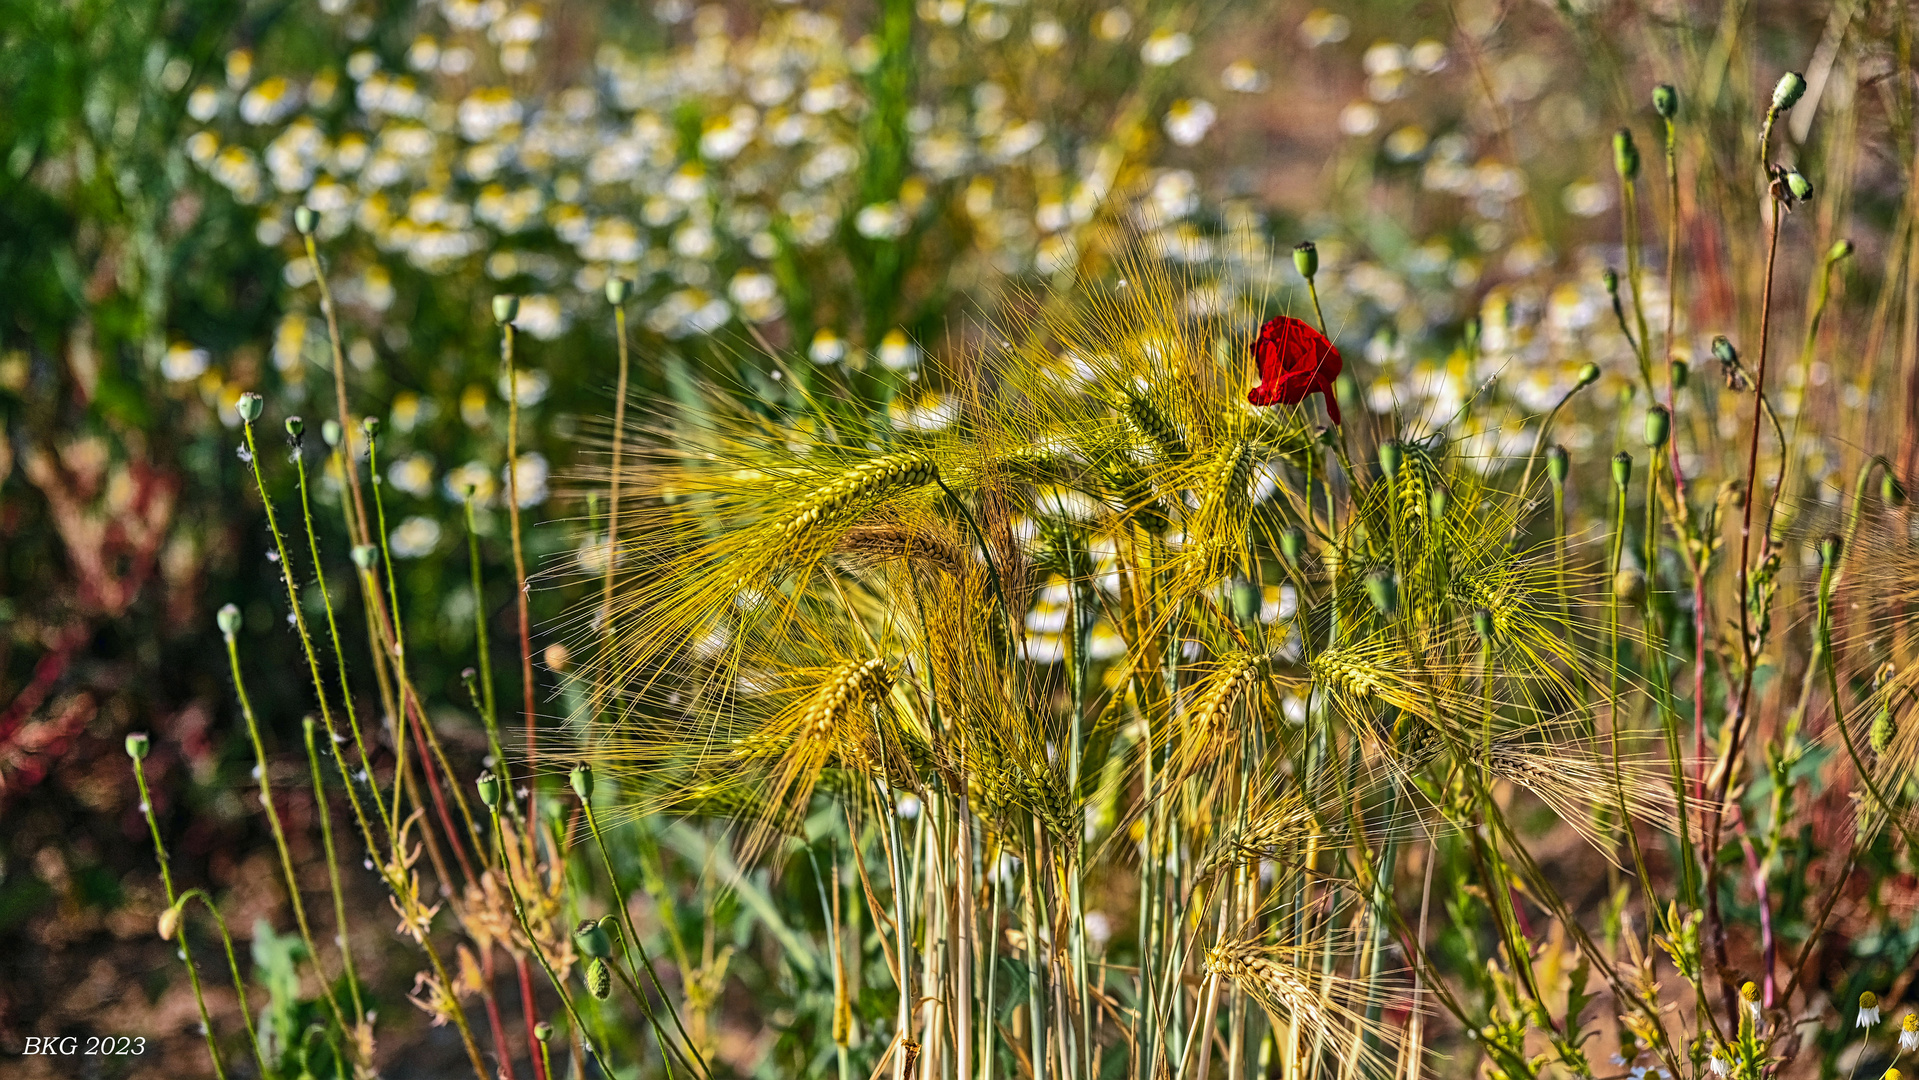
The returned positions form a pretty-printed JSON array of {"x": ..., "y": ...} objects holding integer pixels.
[
  {"x": 1113, "y": 24},
  {"x": 1322, "y": 27},
  {"x": 1189, "y": 119},
  {"x": 415, "y": 537},
  {"x": 1174, "y": 195},
  {"x": 203, "y": 104},
  {"x": 530, "y": 384},
  {"x": 1165, "y": 47},
  {"x": 881, "y": 221},
  {"x": 183, "y": 362},
  {"x": 1586, "y": 198},
  {"x": 827, "y": 348},
  {"x": 897, "y": 352},
  {"x": 527, "y": 478},
  {"x": 1358, "y": 119},
  {"x": 542, "y": 317},
  {"x": 472, "y": 476},
  {"x": 412, "y": 474},
  {"x": 1242, "y": 77},
  {"x": 757, "y": 295}
]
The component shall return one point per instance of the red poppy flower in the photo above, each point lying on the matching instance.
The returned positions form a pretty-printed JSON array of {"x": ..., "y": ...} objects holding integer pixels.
[{"x": 1294, "y": 360}]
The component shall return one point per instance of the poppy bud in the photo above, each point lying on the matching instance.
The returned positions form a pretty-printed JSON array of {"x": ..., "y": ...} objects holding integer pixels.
[
  {"x": 1292, "y": 544},
  {"x": 1680, "y": 373},
  {"x": 1665, "y": 101},
  {"x": 364, "y": 556},
  {"x": 1840, "y": 249},
  {"x": 1558, "y": 464},
  {"x": 304, "y": 219},
  {"x": 543, "y": 1031},
  {"x": 1629, "y": 584},
  {"x": 370, "y": 425},
  {"x": 1588, "y": 375},
  {"x": 1610, "y": 279},
  {"x": 1798, "y": 185},
  {"x": 1625, "y": 155},
  {"x": 592, "y": 939},
  {"x": 489, "y": 786},
  {"x": 249, "y": 406},
  {"x": 228, "y": 620},
  {"x": 1658, "y": 426},
  {"x": 137, "y": 745},
  {"x": 169, "y": 923},
  {"x": 1483, "y": 625},
  {"x": 296, "y": 427},
  {"x": 330, "y": 432},
  {"x": 1829, "y": 551},
  {"x": 1383, "y": 589},
  {"x": 506, "y": 308},
  {"x": 1621, "y": 470},
  {"x": 1390, "y": 457},
  {"x": 1306, "y": 259},
  {"x": 617, "y": 290},
  {"x": 1891, "y": 492},
  {"x": 1792, "y": 86},
  {"x": 599, "y": 981},
  {"x": 582, "y": 780}
]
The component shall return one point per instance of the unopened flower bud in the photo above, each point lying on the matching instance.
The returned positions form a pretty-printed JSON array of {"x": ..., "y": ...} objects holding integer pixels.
[
  {"x": 1891, "y": 492},
  {"x": 1658, "y": 426},
  {"x": 617, "y": 290},
  {"x": 169, "y": 923},
  {"x": 304, "y": 219},
  {"x": 599, "y": 981},
  {"x": 1588, "y": 375},
  {"x": 1558, "y": 464},
  {"x": 1665, "y": 101},
  {"x": 1610, "y": 279},
  {"x": 1798, "y": 185},
  {"x": 137, "y": 745},
  {"x": 1723, "y": 351},
  {"x": 249, "y": 406},
  {"x": 1629, "y": 584},
  {"x": 1680, "y": 373},
  {"x": 1625, "y": 155},
  {"x": 1621, "y": 470},
  {"x": 370, "y": 425},
  {"x": 1829, "y": 548},
  {"x": 1840, "y": 249},
  {"x": 1792, "y": 86},
  {"x": 1306, "y": 259},
  {"x": 228, "y": 620},
  {"x": 506, "y": 308}
]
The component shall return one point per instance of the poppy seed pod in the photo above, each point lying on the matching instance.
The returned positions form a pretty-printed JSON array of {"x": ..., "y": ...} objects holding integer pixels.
[
  {"x": 1798, "y": 185},
  {"x": 249, "y": 406},
  {"x": 1306, "y": 259},
  {"x": 1292, "y": 544},
  {"x": 364, "y": 556},
  {"x": 1390, "y": 457},
  {"x": 1680, "y": 373},
  {"x": 1829, "y": 550},
  {"x": 1665, "y": 101},
  {"x": 228, "y": 620},
  {"x": 1610, "y": 279},
  {"x": 304, "y": 219},
  {"x": 1622, "y": 470},
  {"x": 582, "y": 780},
  {"x": 1558, "y": 464},
  {"x": 543, "y": 1031},
  {"x": 1483, "y": 625},
  {"x": 1630, "y": 584},
  {"x": 370, "y": 425},
  {"x": 296, "y": 427},
  {"x": 599, "y": 981},
  {"x": 489, "y": 786},
  {"x": 1246, "y": 602},
  {"x": 1625, "y": 155},
  {"x": 1588, "y": 375},
  {"x": 1840, "y": 249},
  {"x": 330, "y": 432},
  {"x": 1383, "y": 589},
  {"x": 137, "y": 745},
  {"x": 592, "y": 939},
  {"x": 1792, "y": 87},
  {"x": 506, "y": 308},
  {"x": 617, "y": 290},
  {"x": 1658, "y": 426},
  {"x": 1723, "y": 351}
]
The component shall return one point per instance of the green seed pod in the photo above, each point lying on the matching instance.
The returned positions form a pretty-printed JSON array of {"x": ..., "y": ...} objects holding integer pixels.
[
  {"x": 1306, "y": 259},
  {"x": 1621, "y": 470},
  {"x": 617, "y": 290},
  {"x": 228, "y": 620},
  {"x": 543, "y": 1031},
  {"x": 599, "y": 981},
  {"x": 249, "y": 406},
  {"x": 1483, "y": 625},
  {"x": 365, "y": 556},
  {"x": 1630, "y": 584},
  {"x": 370, "y": 425},
  {"x": 1436, "y": 504},
  {"x": 137, "y": 746},
  {"x": 1891, "y": 492},
  {"x": 592, "y": 939},
  {"x": 296, "y": 427},
  {"x": 1390, "y": 457},
  {"x": 506, "y": 308},
  {"x": 1292, "y": 544},
  {"x": 1792, "y": 87},
  {"x": 1588, "y": 375},
  {"x": 304, "y": 219},
  {"x": 1840, "y": 250},
  {"x": 1665, "y": 101},
  {"x": 489, "y": 786},
  {"x": 330, "y": 433},
  {"x": 1797, "y": 183},
  {"x": 1625, "y": 155},
  {"x": 1680, "y": 373},
  {"x": 1829, "y": 551},
  {"x": 1723, "y": 351},
  {"x": 1558, "y": 464},
  {"x": 1883, "y": 729},
  {"x": 1246, "y": 602},
  {"x": 1383, "y": 589},
  {"x": 1610, "y": 279},
  {"x": 582, "y": 780},
  {"x": 1658, "y": 426}
]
